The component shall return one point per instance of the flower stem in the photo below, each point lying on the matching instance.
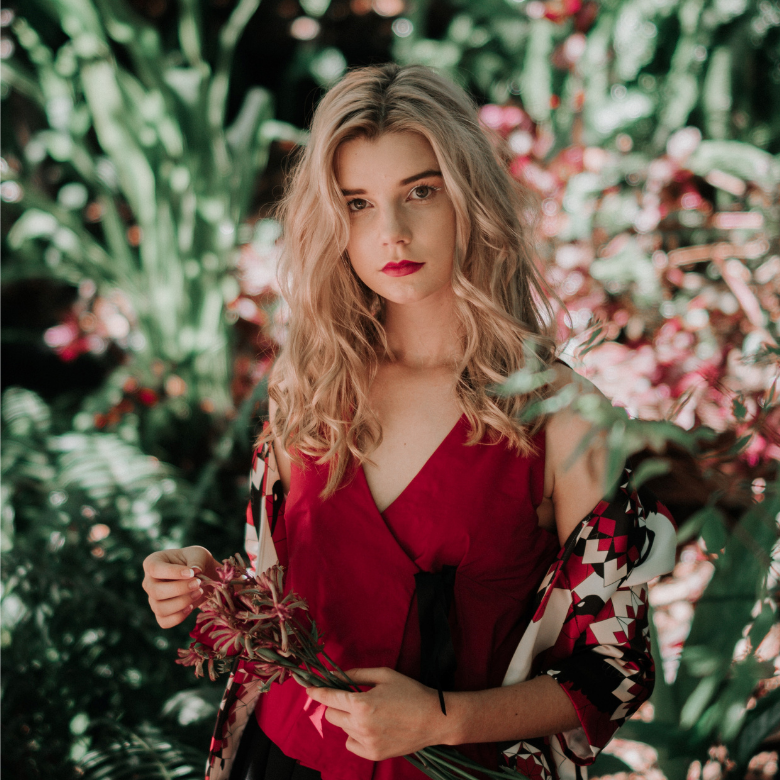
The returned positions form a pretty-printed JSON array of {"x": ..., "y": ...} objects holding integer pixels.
[
  {"x": 451, "y": 769},
  {"x": 427, "y": 769},
  {"x": 452, "y": 760}
]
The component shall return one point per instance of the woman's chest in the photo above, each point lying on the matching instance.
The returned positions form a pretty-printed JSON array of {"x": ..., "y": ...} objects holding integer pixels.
[
  {"x": 473, "y": 507},
  {"x": 417, "y": 412}
]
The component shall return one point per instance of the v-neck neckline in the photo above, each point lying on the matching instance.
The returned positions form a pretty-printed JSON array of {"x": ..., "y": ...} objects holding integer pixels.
[{"x": 415, "y": 477}]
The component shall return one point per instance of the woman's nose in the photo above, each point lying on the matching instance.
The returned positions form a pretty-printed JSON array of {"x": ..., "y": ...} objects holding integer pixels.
[{"x": 394, "y": 229}]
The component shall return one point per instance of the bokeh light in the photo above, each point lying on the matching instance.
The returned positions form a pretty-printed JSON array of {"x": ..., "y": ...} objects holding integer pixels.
[{"x": 304, "y": 28}]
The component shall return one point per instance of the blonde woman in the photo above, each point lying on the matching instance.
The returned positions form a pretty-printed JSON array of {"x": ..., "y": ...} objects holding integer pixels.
[{"x": 431, "y": 531}]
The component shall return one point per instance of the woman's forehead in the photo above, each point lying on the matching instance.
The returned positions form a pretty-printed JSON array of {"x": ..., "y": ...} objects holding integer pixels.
[{"x": 392, "y": 156}]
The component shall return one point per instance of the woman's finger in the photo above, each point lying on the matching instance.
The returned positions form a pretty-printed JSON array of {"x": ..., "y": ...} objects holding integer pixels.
[
  {"x": 161, "y": 569},
  {"x": 337, "y": 717},
  {"x": 370, "y": 675},
  {"x": 358, "y": 749},
  {"x": 172, "y": 606},
  {"x": 168, "y": 589},
  {"x": 340, "y": 700},
  {"x": 173, "y": 620}
]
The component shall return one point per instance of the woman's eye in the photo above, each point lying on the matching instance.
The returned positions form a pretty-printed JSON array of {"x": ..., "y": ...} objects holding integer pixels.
[
  {"x": 423, "y": 192},
  {"x": 357, "y": 204}
]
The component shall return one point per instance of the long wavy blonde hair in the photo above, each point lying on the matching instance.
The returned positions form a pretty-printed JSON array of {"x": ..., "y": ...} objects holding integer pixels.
[{"x": 336, "y": 338}]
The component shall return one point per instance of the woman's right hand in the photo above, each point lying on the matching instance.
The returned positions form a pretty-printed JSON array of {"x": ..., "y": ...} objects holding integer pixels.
[{"x": 170, "y": 581}]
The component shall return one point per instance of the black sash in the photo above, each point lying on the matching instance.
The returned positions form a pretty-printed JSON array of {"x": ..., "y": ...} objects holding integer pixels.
[{"x": 437, "y": 654}]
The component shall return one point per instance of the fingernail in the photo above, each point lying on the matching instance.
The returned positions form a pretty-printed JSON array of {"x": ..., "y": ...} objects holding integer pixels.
[
  {"x": 194, "y": 584},
  {"x": 198, "y": 593},
  {"x": 186, "y": 573}
]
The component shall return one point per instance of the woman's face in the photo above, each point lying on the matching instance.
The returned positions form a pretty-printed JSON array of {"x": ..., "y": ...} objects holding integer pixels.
[{"x": 402, "y": 222}]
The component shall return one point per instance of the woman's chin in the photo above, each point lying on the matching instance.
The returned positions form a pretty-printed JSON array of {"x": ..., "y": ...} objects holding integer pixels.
[{"x": 408, "y": 296}]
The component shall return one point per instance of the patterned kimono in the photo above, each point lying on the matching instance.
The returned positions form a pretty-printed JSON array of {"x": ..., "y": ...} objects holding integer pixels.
[{"x": 589, "y": 630}]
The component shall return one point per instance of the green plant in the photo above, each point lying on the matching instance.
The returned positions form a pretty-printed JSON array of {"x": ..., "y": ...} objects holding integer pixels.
[
  {"x": 80, "y": 512},
  {"x": 140, "y": 133},
  {"x": 147, "y": 753},
  {"x": 712, "y": 699},
  {"x": 129, "y": 178},
  {"x": 592, "y": 70}
]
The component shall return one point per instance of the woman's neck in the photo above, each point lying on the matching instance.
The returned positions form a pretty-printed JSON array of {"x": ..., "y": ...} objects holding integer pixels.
[{"x": 424, "y": 334}]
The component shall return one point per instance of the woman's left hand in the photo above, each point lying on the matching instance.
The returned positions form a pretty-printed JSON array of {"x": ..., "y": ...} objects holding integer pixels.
[{"x": 396, "y": 717}]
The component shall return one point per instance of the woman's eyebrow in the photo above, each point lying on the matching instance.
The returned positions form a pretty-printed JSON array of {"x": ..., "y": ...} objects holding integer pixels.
[
  {"x": 409, "y": 180},
  {"x": 423, "y": 175}
]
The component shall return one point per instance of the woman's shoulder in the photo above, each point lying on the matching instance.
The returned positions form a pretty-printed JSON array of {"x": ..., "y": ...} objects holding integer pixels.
[
  {"x": 575, "y": 484},
  {"x": 279, "y": 460},
  {"x": 566, "y": 375}
]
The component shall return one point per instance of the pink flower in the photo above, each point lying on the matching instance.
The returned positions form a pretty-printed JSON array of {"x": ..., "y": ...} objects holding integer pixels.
[
  {"x": 226, "y": 572},
  {"x": 194, "y": 655},
  {"x": 250, "y": 616}
]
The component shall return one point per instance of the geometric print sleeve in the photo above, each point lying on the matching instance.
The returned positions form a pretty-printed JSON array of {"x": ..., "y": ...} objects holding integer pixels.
[
  {"x": 265, "y": 507},
  {"x": 590, "y": 630},
  {"x": 265, "y": 512}
]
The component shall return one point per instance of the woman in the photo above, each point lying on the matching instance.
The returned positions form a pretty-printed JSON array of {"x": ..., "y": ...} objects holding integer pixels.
[{"x": 420, "y": 516}]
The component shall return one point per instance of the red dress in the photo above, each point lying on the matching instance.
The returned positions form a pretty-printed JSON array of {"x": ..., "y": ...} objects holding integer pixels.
[{"x": 469, "y": 507}]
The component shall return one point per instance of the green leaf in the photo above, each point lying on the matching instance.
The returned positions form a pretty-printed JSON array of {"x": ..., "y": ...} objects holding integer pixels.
[
  {"x": 112, "y": 120},
  {"x": 193, "y": 705},
  {"x": 607, "y": 764},
  {"x": 760, "y": 722},
  {"x": 315, "y": 7},
  {"x": 186, "y": 84},
  {"x": 693, "y": 525},
  {"x": 32, "y": 224},
  {"x": 328, "y": 66},
  {"x": 739, "y": 445},
  {"x": 631, "y": 265},
  {"x": 145, "y": 753},
  {"x": 649, "y": 469},
  {"x": 536, "y": 78},
  {"x": 698, "y": 700},
  {"x": 742, "y": 160},
  {"x": 525, "y": 381},
  {"x": 702, "y": 661},
  {"x": 763, "y": 623},
  {"x": 596, "y": 336},
  {"x": 24, "y": 413},
  {"x": 713, "y": 532}
]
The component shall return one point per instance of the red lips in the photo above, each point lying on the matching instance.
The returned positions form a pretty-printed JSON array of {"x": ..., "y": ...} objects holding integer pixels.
[{"x": 404, "y": 268}]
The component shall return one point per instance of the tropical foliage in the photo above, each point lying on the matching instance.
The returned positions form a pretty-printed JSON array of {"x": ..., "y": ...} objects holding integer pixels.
[{"x": 139, "y": 162}]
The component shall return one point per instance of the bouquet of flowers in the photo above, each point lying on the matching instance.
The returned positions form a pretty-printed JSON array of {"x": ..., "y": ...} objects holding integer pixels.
[{"x": 247, "y": 616}]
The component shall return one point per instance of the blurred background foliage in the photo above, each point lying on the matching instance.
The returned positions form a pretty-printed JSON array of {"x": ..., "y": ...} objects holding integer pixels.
[{"x": 144, "y": 143}]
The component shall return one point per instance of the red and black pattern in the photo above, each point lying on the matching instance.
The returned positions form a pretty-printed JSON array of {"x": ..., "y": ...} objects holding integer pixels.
[
  {"x": 531, "y": 761},
  {"x": 590, "y": 630},
  {"x": 243, "y": 688}
]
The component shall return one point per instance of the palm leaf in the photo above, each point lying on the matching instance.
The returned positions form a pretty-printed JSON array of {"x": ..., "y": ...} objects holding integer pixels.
[{"x": 142, "y": 755}]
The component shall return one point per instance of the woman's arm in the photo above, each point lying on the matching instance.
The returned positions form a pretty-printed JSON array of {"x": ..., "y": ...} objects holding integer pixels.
[
  {"x": 574, "y": 489},
  {"x": 399, "y": 715},
  {"x": 281, "y": 460}
]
